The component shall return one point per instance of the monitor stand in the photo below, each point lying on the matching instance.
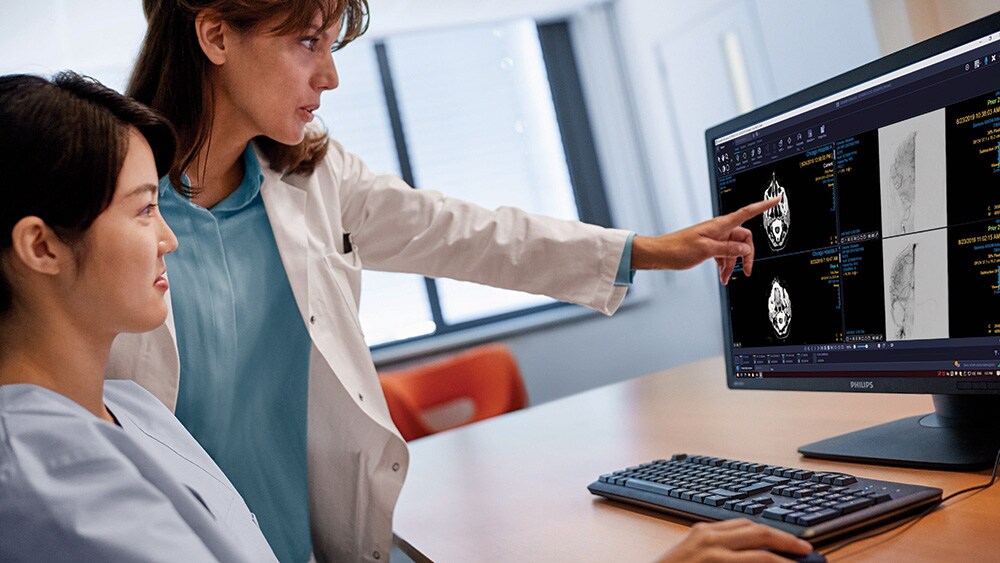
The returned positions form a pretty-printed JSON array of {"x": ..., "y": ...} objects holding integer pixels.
[{"x": 962, "y": 434}]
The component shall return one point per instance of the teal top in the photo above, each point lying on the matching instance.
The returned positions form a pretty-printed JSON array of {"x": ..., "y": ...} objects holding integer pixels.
[
  {"x": 244, "y": 355},
  {"x": 625, "y": 272}
]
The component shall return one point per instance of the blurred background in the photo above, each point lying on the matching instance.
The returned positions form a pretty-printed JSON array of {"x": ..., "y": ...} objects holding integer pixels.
[{"x": 583, "y": 109}]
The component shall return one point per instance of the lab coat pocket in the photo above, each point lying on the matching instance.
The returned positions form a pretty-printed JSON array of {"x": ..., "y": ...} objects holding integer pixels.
[{"x": 345, "y": 270}]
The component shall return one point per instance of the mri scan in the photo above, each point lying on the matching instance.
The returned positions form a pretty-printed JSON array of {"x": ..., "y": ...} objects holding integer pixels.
[
  {"x": 902, "y": 286},
  {"x": 776, "y": 219},
  {"x": 779, "y": 308},
  {"x": 903, "y": 175}
]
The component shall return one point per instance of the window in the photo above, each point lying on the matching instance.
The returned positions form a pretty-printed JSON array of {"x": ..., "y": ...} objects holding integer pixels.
[{"x": 492, "y": 114}]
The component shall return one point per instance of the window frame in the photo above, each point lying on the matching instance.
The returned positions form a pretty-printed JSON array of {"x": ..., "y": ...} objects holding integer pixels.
[{"x": 586, "y": 179}]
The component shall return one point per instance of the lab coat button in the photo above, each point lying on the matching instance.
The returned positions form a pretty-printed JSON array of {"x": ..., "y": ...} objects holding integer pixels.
[
  {"x": 395, "y": 467},
  {"x": 312, "y": 320},
  {"x": 377, "y": 555},
  {"x": 361, "y": 397}
]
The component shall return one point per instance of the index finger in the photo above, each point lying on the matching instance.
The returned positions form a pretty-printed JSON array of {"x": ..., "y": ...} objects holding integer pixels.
[{"x": 744, "y": 214}]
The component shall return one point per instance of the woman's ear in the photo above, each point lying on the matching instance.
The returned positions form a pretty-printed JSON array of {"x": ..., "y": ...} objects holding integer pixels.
[
  {"x": 36, "y": 246},
  {"x": 212, "y": 32}
]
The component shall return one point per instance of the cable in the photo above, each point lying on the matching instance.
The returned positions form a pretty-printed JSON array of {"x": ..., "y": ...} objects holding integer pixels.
[{"x": 913, "y": 519}]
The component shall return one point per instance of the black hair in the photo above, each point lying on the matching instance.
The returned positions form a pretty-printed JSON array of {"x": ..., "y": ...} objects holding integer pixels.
[{"x": 62, "y": 146}]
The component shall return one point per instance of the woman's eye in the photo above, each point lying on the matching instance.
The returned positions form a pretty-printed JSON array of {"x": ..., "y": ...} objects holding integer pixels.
[
  {"x": 310, "y": 43},
  {"x": 149, "y": 210}
]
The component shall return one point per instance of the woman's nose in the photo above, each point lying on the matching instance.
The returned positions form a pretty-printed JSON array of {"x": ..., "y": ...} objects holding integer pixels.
[
  {"x": 327, "y": 78},
  {"x": 168, "y": 240}
]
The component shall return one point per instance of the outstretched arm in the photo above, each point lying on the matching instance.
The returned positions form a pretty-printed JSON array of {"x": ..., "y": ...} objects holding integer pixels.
[{"x": 723, "y": 238}]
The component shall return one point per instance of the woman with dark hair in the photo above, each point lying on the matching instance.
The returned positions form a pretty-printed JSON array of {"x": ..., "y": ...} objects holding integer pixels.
[
  {"x": 263, "y": 358},
  {"x": 93, "y": 470}
]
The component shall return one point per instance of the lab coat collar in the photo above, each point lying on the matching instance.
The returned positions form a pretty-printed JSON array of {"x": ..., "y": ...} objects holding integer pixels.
[{"x": 286, "y": 208}]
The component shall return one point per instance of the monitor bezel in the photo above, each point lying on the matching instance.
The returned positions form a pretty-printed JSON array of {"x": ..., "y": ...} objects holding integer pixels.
[{"x": 894, "y": 61}]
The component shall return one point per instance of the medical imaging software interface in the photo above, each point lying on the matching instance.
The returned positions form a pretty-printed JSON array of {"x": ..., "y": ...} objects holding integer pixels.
[{"x": 883, "y": 257}]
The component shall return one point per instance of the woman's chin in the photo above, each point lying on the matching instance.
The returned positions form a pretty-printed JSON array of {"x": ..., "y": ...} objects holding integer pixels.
[
  {"x": 152, "y": 320},
  {"x": 291, "y": 137}
]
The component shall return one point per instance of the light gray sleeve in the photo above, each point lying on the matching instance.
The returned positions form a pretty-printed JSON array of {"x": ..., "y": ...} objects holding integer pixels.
[{"x": 67, "y": 498}]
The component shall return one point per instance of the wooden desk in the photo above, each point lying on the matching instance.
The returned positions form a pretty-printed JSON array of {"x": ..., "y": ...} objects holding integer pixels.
[{"x": 514, "y": 488}]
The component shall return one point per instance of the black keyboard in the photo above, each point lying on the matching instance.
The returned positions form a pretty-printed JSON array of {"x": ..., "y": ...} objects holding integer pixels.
[{"x": 815, "y": 506}]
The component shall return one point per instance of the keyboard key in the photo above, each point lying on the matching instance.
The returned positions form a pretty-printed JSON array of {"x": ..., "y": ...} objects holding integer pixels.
[
  {"x": 817, "y": 517},
  {"x": 754, "y": 508},
  {"x": 649, "y": 486},
  {"x": 794, "y": 517},
  {"x": 755, "y": 488},
  {"x": 854, "y": 505},
  {"x": 714, "y": 500},
  {"x": 776, "y": 513},
  {"x": 844, "y": 480},
  {"x": 728, "y": 494},
  {"x": 880, "y": 497},
  {"x": 763, "y": 500},
  {"x": 776, "y": 480},
  {"x": 818, "y": 477}
]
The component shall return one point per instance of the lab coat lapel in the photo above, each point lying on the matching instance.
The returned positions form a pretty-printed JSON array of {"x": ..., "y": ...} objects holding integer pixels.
[{"x": 285, "y": 205}]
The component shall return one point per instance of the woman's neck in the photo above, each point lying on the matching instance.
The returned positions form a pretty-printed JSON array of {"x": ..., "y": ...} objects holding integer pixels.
[
  {"x": 57, "y": 355},
  {"x": 217, "y": 170}
]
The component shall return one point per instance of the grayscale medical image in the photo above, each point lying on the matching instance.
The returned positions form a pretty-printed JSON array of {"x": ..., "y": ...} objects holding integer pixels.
[
  {"x": 902, "y": 282},
  {"x": 902, "y": 179},
  {"x": 916, "y": 286},
  {"x": 777, "y": 219},
  {"x": 912, "y": 174},
  {"x": 779, "y": 309}
]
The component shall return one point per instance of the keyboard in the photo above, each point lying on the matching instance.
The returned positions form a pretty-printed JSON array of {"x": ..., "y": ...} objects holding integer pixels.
[{"x": 815, "y": 506}]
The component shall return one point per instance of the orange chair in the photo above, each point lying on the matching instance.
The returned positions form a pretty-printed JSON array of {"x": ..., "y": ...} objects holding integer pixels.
[{"x": 432, "y": 397}]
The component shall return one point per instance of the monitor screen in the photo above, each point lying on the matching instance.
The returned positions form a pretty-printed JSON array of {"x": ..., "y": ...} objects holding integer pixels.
[{"x": 879, "y": 270}]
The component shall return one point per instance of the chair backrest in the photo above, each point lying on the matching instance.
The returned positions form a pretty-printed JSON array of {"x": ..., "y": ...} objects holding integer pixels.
[{"x": 487, "y": 377}]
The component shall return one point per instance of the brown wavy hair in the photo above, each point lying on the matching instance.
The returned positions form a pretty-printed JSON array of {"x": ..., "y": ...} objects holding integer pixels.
[{"x": 171, "y": 70}]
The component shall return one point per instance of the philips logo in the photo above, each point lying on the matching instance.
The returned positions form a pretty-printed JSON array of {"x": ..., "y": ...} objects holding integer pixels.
[{"x": 862, "y": 385}]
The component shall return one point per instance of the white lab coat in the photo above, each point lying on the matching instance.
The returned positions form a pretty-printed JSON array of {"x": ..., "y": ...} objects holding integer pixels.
[{"x": 356, "y": 458}]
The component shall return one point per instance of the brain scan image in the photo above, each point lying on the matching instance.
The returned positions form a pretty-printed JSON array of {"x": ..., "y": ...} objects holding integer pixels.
[
  {"x": 776, "y": 219},
  {"x": 779, "y": 309},
  {"x": 902, "y": 291},
  {"x": 903, "y": 178}
]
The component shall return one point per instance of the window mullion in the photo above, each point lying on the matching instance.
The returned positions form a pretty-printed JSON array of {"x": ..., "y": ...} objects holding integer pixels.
[
  {"x": 405, "y": 168},
  {"x": 574, "y": 123}
]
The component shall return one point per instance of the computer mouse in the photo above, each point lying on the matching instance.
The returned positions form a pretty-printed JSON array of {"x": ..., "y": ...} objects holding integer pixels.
[{"x": 811, "y": 557}]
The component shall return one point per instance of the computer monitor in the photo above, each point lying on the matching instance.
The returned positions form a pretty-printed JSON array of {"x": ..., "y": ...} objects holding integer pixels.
[{"x": 878, "y": 271}]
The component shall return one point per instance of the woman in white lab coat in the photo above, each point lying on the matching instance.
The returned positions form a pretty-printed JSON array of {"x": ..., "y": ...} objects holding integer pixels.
[{"x": 262, "y": 356}]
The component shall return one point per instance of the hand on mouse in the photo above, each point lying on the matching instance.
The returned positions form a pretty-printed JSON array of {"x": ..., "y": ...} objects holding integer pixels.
[{"x": 738, "y": 540}]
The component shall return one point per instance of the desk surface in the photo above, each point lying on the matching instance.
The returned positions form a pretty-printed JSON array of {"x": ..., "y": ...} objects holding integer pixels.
[{"x": 514, "y": 488}]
